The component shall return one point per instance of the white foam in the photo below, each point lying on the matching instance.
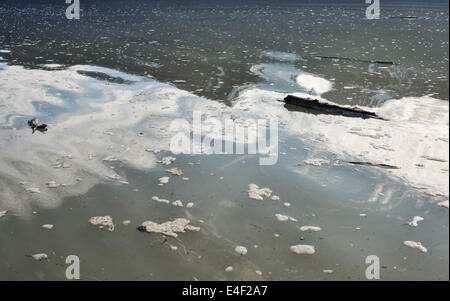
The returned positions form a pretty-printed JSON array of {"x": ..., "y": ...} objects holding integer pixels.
[
  {"x": 170, "y": 228},
  {"x": 415, "y": 245},
  {"x": 102, "y": 221},
  {"x": 240, "y": 250},
  {"x": 415, "y": 221},
  {"x": 310, "y": 228},
  {"x": 303, "y": 249},
  {"x": 314, "y": 83},
  {"x": 254, "y": 192}
]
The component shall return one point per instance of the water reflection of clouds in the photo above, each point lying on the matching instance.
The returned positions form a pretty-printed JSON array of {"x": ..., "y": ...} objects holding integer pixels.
[{"x": 92, "y": 119}]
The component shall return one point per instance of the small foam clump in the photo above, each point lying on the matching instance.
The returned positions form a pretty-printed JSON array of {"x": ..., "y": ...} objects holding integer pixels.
[
  {"x": 415, "y": 221},
  {"x": 316, "y": 161},
  {"x": 254, "y": 192},
  {"x": 175, "y": 171},
  {"x": 240, "y": 250},
  {"x": 283, "y": 218},
  {"x": 169, "y": 228},
  {"x": 157, "y": 199},
  {"x": 167, "y": 160},
  {"x": 443, "y": 204},
  {"x": 163, "y": 180},
  {"x": 39, "y": 256},
  {"x": 102, "y": 221},
  {"x": 310, "y": 228},
  {"x": 415, "y": 245},
  {"x": 303, "y": 249}
]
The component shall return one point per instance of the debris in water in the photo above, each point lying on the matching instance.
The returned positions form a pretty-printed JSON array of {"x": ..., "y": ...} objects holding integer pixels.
[
  {"x": 169, "y": 228},
  {"x": 35, "y": 126},
  {"x": 415, "y": 245},
  {"x": 287, "y": 204},
  {"x": 126, "y": 222},
  {"x": 328, "y": 271},
  {"x": 228, "y": 269},
  {"x": 310, "y": 228},
  {"x": 3, "y": 213},
  {"x": 189, "y": 205},
  {"x": 254, "y": 192},
  {"x": 175, "y": 171},
  {"x": 275, "y": 198},
  {"x": 303, "y": 249},
  {"x": 259, "y": 273},
  {"x": 415, "y": 220},
  {"x": 47, "y": 226},
  {"x": 363, "y": 215},
  {"x": 240, "y": 250},
  {"x": 443, "y": 204},
  {"x": 102, "y": 221}
]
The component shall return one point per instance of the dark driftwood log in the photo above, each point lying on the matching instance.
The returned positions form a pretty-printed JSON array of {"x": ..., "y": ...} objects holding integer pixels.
[
  {"x": 355, "y": 59},
  {"x": 315, "y": 104}
]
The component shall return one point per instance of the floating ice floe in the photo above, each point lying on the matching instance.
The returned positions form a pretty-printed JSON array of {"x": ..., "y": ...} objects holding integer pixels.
[
  {"x": 415, "y": 245},
  {"x": 189, "y": 205},
  {"x": 39, "y": 256},
  {"x": 170, "y": 228},
  {"x": 47, "y": 226},
  {"x": 310, "y": 228},
  {"x": 175, "y": 171},
  {"x": 415, "y": 220},
  {"x": 155, "y": 198},
  {"x": 229, "y": 269},
  {"x": 275, "y": 198},
  {"x": 283, "y": 218},
  {"x": 316, "y": 161},
  {"x": 287, "y": 204},
  {"x": 363, "y": 215},
  {"x": 240, "y": 250},
  {"x": 303, "y": 249},
  {"x": 259, "y": 273},
  {"x": 126, "y": 222},
  {"x": 443, "y": 204},
  {"x": 166, "y": 160},
  {"x": 328, "y": 271},
  {"x": 254, "y": 192},
  {"x": 3, "y": 213},
  {"x": 5, "y": 51},
  {"x": 102, "y": 221}
]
